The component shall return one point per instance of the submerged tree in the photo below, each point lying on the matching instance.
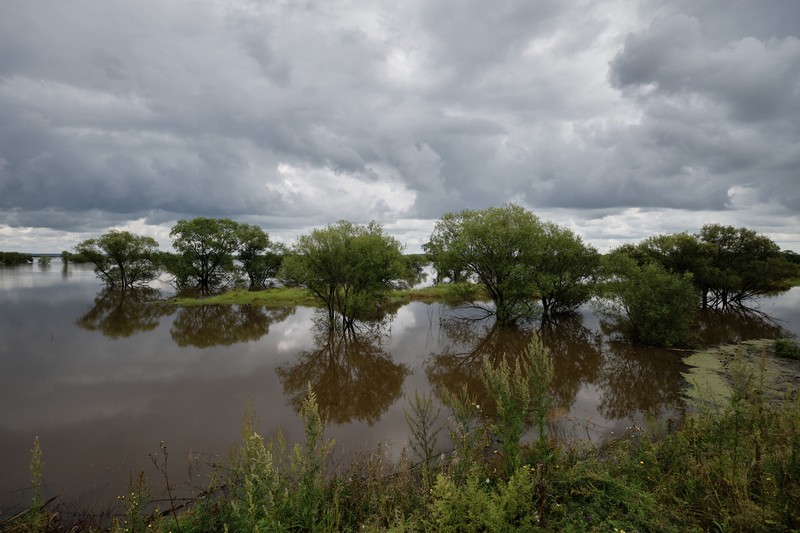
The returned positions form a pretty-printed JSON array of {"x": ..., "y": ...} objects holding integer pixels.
[
  {"x": 349, "y": 267},
  {"x": 648, "y": 303},
  {"x": 564, "y": 271},
  {"x": 497, "y": 245},
  {"x": 15, "y": 258},
  {"x": 121, "y": 259},
  {"x": 260, "y": 258},
  {"x": 743, "y": 265},
  {"x": 208, "y": 248},
  {"x": 516, "y": 258},
  {"x": 727, "y": 265},
  {"x": 205, "y": 252}
]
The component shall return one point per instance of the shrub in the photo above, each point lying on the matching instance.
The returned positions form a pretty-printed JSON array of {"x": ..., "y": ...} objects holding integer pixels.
[{"x": 787, "y": 348}]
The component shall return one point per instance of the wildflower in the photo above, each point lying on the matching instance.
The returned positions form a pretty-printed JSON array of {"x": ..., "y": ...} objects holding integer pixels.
[{"x": 487, "y": 480}]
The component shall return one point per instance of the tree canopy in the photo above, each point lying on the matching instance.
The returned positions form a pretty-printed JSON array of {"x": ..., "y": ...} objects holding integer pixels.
[
  {"x": 208, "y": 248},
  {"x": 728, "y": 265},
  {"x": 647, "y": 302},
  {"x": 260, "y": 258},
  {"x": 205, "y": 248},
  {"x": 15, "y": 258},
  {"x": 121, "y": 259},
  {"x": 497, "y": 245},
  {"x": 743, "y": 265},
  {"x": 349, "y": 267},
  {"x": 564, "y": 271},
  {"x": 517, "y": 258}
]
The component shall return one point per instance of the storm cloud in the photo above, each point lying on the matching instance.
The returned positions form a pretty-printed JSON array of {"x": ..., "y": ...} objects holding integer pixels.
[{"x": 614, "y": 118}]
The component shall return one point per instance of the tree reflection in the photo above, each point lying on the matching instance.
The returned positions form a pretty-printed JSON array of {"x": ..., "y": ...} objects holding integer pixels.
[
  {"x": 638, "y": 379},
  {"x": 468, "y": 342},
  {"x": 736, "y": 324},
  {"x": 577, "y": 356},
  {"x": 350, "y": 371},
  {"x": 118, "y": 314},
  {"x": 204, "y": 326},
  {"x": 576, "y": 352}
]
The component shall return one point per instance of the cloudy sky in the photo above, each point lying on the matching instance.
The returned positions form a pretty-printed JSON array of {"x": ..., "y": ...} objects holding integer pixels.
[{"x": 620, "y": 119}]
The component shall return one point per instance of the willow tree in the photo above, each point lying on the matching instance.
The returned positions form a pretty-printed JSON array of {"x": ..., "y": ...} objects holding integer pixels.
[
  {"x": 498, "y": 246},
  {"x": 743, "y": 265},
  {"x": 349, "y": 267},
  {"x": 564, "y": 270},
  {"x": 121, "y": 259},
  {"x": 646, "y": 302},
  {"x": 260, "y": 258},
  {"x": 205, "y": 251}
]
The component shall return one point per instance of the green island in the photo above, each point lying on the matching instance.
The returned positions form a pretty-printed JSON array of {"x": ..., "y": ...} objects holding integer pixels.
[{"x": 297, "y": 296}]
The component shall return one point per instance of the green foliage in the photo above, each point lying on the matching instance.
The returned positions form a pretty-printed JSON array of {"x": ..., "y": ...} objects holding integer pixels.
[
  {"x": 787, "y": 348},
  {"x": 727, "y": 265},
  {"x": 646, "y": 302},
  {"x": 515, "y": 257},
  {"x": 270, "y": 488},
  {"x": 497, "y": 245},
  {"x": 466, "y": 434},
  {"x": 564, "y": 271},
  {"x": 680, "y": 253},
  {"x": 349, "y": 267},
  {"x": 424, "y": 436},
  {"x": 121, "y": 259},
  {"x": 735, "y": 467},
  {"x": 205, "y": 252},
  {"x": 483, "y": 504},
  {"x": 15, "y": 258},
  {"x": 743, "y": 265},
  {"x": 260, "y": 258},
  {"x": 135, "y": 520},
  {"x": 519, "y": 390},
  {"x": 36, "y": 467},
  {"x": 463, "y": 507}
]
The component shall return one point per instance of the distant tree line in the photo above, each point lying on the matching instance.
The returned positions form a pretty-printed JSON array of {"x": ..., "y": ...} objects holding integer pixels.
[
  {"x": 15, "y": 258},
  {"x": 526, "y": 266}
]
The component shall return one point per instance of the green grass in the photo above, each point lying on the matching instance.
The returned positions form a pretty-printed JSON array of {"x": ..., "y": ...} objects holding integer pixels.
[
  {"x": 275, "y": 297},
  {"x": 294, "y": 296}
]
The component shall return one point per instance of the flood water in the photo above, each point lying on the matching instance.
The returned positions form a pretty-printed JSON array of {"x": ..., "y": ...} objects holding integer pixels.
[{"x": 103, "y": 381}]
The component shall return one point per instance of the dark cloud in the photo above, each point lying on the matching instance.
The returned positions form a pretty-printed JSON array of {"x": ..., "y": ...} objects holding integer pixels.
[{"x": 297, "y": 114}]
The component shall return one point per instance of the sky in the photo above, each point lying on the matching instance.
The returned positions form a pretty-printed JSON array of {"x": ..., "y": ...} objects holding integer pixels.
[{"x": 618, "y": 119}]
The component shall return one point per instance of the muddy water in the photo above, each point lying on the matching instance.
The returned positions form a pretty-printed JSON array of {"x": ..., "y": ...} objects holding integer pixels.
[{"x": 103, "y": 380}]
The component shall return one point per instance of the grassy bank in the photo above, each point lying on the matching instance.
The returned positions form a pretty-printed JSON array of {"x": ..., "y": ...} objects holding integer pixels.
[
  {"x": 734, "y": 466},
  {"x": 294, "y": 296},
  {"x": 274, "y": 297}
]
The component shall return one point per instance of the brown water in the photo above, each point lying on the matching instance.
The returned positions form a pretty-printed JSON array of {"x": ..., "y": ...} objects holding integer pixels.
[{"x": 102, "y": 381}]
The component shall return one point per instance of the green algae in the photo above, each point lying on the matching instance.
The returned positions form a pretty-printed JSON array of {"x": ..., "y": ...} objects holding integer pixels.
[{"x": 711, "y": 373}]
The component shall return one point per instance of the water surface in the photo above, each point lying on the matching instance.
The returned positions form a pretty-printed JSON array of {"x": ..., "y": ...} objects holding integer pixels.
[{"x": 103, "y": 380}]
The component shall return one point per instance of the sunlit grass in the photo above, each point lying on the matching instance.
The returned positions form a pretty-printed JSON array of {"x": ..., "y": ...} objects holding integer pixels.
[
  {"x": 273, "y": 297},
  {"x": 294, "y": 296}
]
